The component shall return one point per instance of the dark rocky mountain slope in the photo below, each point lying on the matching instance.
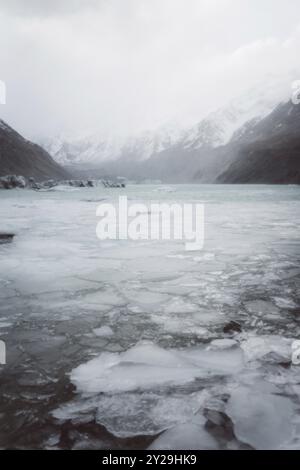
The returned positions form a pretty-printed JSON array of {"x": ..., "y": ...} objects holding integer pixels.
[
  {"x": 267, "y": 151},
  {"x": 22, "y": 157}
]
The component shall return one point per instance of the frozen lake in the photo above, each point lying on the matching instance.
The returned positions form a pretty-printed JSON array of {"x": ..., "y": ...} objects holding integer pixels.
[{"x": 122, "y": 344}]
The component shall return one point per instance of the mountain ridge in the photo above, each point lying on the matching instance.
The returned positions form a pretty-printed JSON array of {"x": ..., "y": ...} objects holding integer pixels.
[
  {"x": 269, "y": 151},
  {"x": 22, "y": 157},
  {"x": 213, "y": 130}
]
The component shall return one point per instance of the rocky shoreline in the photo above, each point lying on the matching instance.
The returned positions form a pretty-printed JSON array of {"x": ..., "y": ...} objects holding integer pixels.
[{"x": 17, "y": 181}]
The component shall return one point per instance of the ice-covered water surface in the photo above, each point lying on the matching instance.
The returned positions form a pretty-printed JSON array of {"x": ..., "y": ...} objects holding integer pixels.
[{"x": 136, "y": 344}]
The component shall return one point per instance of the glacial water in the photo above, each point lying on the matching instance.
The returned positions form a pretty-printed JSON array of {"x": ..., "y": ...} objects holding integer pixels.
[{"x": 141, "y": 344}]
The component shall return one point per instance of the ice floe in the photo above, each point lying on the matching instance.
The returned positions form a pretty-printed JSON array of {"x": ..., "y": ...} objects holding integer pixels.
[
  {"x": 185, "y": 437},
  {"x": 267, "y": 348},
  {"x": 146, "y": 366},
  {"x": 262, "y": 420},
  {"x": 103, "y": 331}
]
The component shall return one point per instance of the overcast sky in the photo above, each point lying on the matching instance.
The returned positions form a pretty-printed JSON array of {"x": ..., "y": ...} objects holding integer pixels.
[{"x": 122, "y": 66}]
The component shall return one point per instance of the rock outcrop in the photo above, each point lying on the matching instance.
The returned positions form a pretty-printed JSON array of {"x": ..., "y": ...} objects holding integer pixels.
[{"x": 12, "y": 181}]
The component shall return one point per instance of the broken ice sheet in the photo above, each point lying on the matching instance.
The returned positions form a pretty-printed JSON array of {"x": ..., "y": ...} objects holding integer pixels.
[
  {"x": 146, "y": 366},
  {"x": 282, "y": 302},
  {"x": 188, "y": 436},
  {"x": 103, "y": 298},
  {"x": 180, "y": 306},
  {"x": 146, "y": 389},
  {"x": 261, "y": 307},
  {"x": 261, "y": 419},
  {"x": 145, "y": 298},
  {"x": 268, "y": 348},
  {"x": 224, "y": 343},
  {"x": 181, "y": 325},
  {"x": 58, "y": 279},
  {"x": 133, "y": 414},
  {"x": 103, "y": 331}
]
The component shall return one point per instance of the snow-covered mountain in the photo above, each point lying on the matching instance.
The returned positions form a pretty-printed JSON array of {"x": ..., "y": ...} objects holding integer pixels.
[
  {"x": 148, "y": 143},
  {"x": 211, "y": 132},
  {"x": 95, "y": 149},
  {"x": 70, "y": 151},
  {"x": 220, "y": 125}
]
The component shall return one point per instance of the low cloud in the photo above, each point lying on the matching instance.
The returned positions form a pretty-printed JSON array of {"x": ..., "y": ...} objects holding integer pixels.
[{"x": 123, "y": 66}]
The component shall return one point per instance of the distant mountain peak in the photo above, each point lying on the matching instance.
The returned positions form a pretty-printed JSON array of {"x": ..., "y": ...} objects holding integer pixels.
[{"x": 215, "y": 130}]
